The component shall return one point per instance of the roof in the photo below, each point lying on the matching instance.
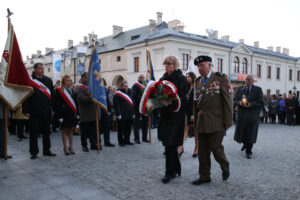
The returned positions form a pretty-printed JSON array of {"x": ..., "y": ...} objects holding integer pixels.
[{"x": 204, "y": 39}]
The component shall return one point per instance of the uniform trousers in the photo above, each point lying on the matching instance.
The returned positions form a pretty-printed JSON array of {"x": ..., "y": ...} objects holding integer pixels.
[
  {"x": 124, "y": 130},
  {"x": 140, "y": 121},
  {"x": 39, "y": 126},
  {"x": 211, "y": 142},
  {"x": 105, "y": 127},
  {"x": 173, "y": 165},
  {"x": 88, "y": 130}
]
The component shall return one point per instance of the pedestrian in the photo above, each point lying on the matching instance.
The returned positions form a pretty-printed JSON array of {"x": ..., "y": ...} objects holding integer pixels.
[
  {"x": 171, "y": 124},
  {"x": 249, "y": 99},
  {"x": 290, "y": 107},
  {"x": 139, "y": 121},
  {"x": 265, "y": 108},
  {"x": 190, "y": 77},
  {"x": 213, "y": 113},
  {"x": 38, "y": 108},
  {"x": 124, "y": 111},
  {"x": 20, "y": 121},
  {"x": 273, "y": 109},
  {"x": 67, "y": 112},
  {"x": 87, "y": 110},
  {"x": 282, "y": 111}
]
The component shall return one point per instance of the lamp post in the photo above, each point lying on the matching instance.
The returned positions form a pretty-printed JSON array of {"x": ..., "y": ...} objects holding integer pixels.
[{"x": 294, "y": 89}]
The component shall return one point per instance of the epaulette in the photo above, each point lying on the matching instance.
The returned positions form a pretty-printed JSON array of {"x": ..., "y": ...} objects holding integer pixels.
[{"x": 220, "y": 73}]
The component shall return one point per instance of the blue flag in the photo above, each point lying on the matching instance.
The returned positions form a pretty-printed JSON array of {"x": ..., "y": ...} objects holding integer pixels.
[
  {"x": 150, "y": 71},
  {"x": 96, "y": 86}
]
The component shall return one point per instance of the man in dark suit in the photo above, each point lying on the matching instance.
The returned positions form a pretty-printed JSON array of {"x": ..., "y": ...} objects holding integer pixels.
[
  {"x": 249, "y": 100},
  {"x": 38, "y": 108}
]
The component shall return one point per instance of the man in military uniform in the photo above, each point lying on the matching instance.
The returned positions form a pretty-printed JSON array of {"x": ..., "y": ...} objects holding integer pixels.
[{"x": 212, "y": 117}]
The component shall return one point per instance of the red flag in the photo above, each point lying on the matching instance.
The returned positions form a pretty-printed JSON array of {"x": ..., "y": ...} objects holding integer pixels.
[{"x": 15, "y": 83}]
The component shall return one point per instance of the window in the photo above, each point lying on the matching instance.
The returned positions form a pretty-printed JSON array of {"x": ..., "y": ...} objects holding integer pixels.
[
  {"x": 258, "y": 71},
  {"x": 290, "y": 74},
  {"x": 268, "y": 92},
  {"x": 136, "y": 64},
  {"x": 220, "y": 65},
  {"x": 185, "y": 61},
  {"x": 298, "y": 75},
  {"x": 236, "y": 65},
  {"x": 118, "y": 58},
  {"x": 49, "y": 69},
  {"x": 278, "y": 73},
  {"x": 245, "y": 67},
  {"x": 269, "y": 72},
  {"x": 135, "y": 37}
]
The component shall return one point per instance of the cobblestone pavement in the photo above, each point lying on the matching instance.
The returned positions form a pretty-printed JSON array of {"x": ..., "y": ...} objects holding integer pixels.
[{"x": 134, "y": 172}]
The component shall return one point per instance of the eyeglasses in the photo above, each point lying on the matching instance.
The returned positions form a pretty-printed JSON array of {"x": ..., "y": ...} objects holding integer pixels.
[{"x": 168, "y": 63}]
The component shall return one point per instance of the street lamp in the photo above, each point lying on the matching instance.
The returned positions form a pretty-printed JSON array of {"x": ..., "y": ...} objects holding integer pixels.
[{"x": 295, "y": 89}]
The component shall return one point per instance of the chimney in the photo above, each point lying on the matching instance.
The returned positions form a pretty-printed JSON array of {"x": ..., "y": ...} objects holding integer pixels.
[
  {"x": 225, "y": 37},
  {"x": 70, "y": 43},
  {"x": 90, "y": 38},
  {"x": 101, "y": 42},
  {"x": 39, "y": 52},
  {"x": 117, "y": 30},
  {"x": 95, "y": 37},
  {"x": 85, "y": 39},
  {"x": 48, "y": 50},
  {"x": 215, "y": 35},
  {"x": 270, "y": 48},
  {"x": 256, "y": 44},
  {"x": 278, "y": 49},
  {"x": 242, "y": 41},
  {"x": 152, "y": 25},
  {"x": 159, "y": 18},
  {"x": 286, "y": 51},
  {"x": 27, "y": 58}
]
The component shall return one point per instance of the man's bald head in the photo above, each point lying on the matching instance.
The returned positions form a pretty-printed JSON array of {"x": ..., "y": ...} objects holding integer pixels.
[{"x": 249, "y": 80}]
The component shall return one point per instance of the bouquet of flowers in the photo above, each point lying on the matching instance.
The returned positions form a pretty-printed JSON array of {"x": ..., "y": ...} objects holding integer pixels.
[{"x": 157, "y": 91}]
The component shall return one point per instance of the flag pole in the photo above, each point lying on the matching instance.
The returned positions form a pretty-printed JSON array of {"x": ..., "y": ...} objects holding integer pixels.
[
  {"x": 97, "y": 126},
  {"x": 5, "y": 131},
  {"x": 149, "y": 125}
]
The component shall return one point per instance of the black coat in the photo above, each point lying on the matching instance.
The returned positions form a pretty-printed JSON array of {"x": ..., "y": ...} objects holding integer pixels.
[
  {"x": 248, "y": 118},
  {"x": 136, "y": 94},
  {"x": 64, "y": 111},
  {"x": 171, "y": 124},
  {"x": 39, "y": 105},
  {"x": 122, "y": 107}
]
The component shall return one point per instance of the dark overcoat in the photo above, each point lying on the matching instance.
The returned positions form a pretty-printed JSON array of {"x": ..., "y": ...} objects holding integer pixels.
[
  {"x": 248, "y": 118},
  {"x": 171, "y": 124}
]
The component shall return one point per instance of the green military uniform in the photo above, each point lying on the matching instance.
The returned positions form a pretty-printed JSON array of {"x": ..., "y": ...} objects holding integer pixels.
[{"x": 213, "y": 111}]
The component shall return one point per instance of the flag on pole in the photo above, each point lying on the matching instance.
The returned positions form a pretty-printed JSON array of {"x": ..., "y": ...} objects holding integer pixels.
[
  {"x": 192, "y": 67},
  {"x": 96, "y": 86},
  {"x": 56, "y": 62},
  {"x": 15, "y": 83},
  {"x": 150, "y": 71}
]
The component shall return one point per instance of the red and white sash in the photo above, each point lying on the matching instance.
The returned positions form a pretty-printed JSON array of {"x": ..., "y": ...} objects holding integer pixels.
[
  {"x": 41, "y": 87},
  {"x": 68, "y": 99},
  {"x": 124, "y": 96},
  {"x": 82, "y": 86},
  {"x": 142, "y": 86}
]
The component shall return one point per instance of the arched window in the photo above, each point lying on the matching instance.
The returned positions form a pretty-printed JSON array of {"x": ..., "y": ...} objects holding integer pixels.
[
  {"x": 245, "y": 66},
  {"x": 236, "y": 63}
]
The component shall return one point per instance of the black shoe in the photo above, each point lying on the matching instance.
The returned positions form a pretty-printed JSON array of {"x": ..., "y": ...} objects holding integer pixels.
[
  {"x": 199, "y": 181},
  {"x": 49, "y": 154},
  {"x": 95, "y": 148},
  {"x": 122, "y": 145},
  {"x": 19, "y": 139},
  {"x": 109, "y": 145},
  {"x": 24, "y": 137},
  {"x": 178, "y": 173},
  {"x": 195, "y": 155},
  {"x": 71, "y": 152},
  {"x": 129, "y": 143},
  {"x": 167, "y": 178},
  {"x": 225, "y": 175},
  {"x": 249, "y": 156},
  {"x": 85, "y": 149},
  {"x": 137, "y": 142},
  {"x": 33, "y": 157},
  {"x": 147, "y": 141},
  {"x": 243, "y": 147},
  {"x": 67, "y": 153}
]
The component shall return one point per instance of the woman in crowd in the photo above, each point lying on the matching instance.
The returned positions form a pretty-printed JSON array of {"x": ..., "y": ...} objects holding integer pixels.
[
  {"x": 171, "y": 124},
  {"x": 189, "y": 118},
  {"x": 66, "y": 111},
  {"x": 273, "y": 108}
]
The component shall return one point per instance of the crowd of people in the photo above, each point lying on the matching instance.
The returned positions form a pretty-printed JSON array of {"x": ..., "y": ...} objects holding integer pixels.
[{"x": 206, "y": 111}]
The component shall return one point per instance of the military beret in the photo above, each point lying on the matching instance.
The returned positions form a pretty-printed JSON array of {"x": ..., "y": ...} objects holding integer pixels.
[{"x": 201, "y": 59}]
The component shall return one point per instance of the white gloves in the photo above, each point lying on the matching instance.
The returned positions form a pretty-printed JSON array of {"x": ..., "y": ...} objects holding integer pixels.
[
  {"x": 61, "y": 120},
  {"x": 78, "y": 117},
  {"x": 133, "y": 116},
  {"x": 119, "y": 117}
]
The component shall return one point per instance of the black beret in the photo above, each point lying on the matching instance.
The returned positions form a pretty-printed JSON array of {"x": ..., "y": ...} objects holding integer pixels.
[{"x": 201, "y": 59}]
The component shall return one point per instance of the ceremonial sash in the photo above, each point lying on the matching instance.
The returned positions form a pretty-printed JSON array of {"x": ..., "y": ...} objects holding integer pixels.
[
  {"x": 41, "y": 87},
  {"x": 68, "y": 99},
  {"x": 140, "y": 85},
  {"x": 82, "y": 86},
  {"x": 125, "y": 97}
]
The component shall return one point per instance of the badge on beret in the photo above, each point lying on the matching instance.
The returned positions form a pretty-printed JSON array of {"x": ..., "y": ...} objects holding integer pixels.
[{"x": 229, "y": 90}]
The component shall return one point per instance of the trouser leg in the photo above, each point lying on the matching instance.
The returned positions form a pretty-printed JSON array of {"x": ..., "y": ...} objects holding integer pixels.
[
  {"x": 172, "y": 161},
  {"x": 92, "y": 133},
  {"x": 46, "y": 134},
  {"x": 127, "y": 132},
  {"x": 83, "y": 133},
  {"x": 144, "y": 127},
  {"x": 2, "y": 137},
  {"x": 33, "y": 138},
  {"x": 20, "y": 128},
  {"x": 249, "y": 148},
  {"x": 204, "y": 157},
  {"x": 106, "y": 128},
  {"x": 120, "y": 132},
  {"x": 215, "y": 145},
  {"x": 136, "y": 126}
]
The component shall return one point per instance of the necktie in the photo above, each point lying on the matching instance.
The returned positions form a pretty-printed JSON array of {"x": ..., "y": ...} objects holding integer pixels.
[{"x": 247, "y": 90}]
